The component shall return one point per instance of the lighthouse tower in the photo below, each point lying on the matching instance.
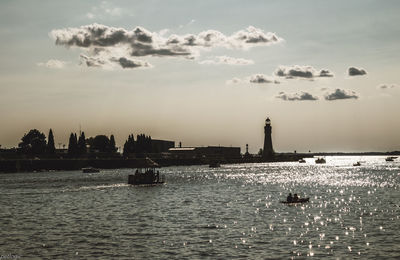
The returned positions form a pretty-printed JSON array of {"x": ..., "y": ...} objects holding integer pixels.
[{"x": 268, "y": 151}]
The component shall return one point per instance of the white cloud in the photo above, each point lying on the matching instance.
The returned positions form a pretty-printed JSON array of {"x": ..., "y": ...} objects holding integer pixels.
[
  {"x": 105, "y": 9},
  {"x": 254, "y": 79},
  {"x": 53, "y": 64},
  {"x": 141, "y": 42},
  {"x": 233, "y": 81},
  {"x": 227, "y": 60}
]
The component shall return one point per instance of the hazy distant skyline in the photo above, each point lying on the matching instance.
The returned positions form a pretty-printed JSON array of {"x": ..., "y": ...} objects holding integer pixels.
[{"x": 204, "y": 73}]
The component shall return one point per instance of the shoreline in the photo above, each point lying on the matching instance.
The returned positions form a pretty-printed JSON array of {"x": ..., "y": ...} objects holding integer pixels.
[{"x": 39, "y": 165}]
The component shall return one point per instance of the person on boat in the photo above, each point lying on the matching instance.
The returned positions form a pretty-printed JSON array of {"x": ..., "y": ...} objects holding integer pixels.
[
  {"x": 289, "y": 198},
  {"x": 158, "y": 176},
  {"x": 295, "y": 197}
]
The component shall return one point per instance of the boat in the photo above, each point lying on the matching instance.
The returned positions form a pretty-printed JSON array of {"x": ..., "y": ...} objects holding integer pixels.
[
  {"x": 147, "y": 174},
  {"x": 302, "y": 200},
  {"x": 302, "y": 161},
  {"x": 90, "y": 170},
  {"x": 320, "y": 160},
  {"x": 390, "y": 158},
  {"x": 357, "y": 164}
]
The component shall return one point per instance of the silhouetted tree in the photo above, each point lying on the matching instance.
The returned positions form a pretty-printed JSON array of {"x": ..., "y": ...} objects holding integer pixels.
[
  {"x": 82, "y": 144},
  {"x": 113, "y": 149},
  {"x": 51, "y": 149},
  {"x": 73, "y": 145},
  {"x": 129, "y": 146},
  {"x": 33, "y": 143},
  {"x": 101, "y": 143}
]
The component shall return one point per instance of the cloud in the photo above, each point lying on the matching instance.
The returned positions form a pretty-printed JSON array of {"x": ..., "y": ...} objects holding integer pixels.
[
  {"x": 308, "y": 72},
  {"x": 105, "y": 9},
  {"x": 140, "y": 42},
  {"x": 227, "y": 60},
  {"x": 341, "y": 94},
  {"x": 356, "y": 72},
  {"x": 261, "y": 78},
  {"x": 53, "y": 64},
  {"x": 387, "y": 86},
  {"x": 233, "y": 81},
  {"x": 113, "y": 62},
  {"x": 254, "y": 79},
  {"x": 303, "y": 96}
]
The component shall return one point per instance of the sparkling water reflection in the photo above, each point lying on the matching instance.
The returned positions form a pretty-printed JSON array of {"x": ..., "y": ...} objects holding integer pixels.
[{"x": 224, "y": 213}]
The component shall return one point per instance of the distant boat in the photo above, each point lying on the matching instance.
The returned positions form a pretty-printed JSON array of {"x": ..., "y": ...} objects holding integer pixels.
[
  {"x": 302, "y": 200},
  {"x": 320, "y": 160},
  {"x": 390, "y": 158},
  {"x": 90, "y": 170},
  {"x": 302, "y": 161},
  {"x": 357, "y": 164}
]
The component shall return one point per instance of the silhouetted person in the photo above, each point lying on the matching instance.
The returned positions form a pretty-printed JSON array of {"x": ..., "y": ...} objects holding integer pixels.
[
  {"x": 295, "y": 197},
  {"x": 289, "y": 198}
]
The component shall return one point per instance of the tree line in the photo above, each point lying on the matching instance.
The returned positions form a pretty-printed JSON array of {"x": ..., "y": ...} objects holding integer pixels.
[{"x": 34, "y": 143}]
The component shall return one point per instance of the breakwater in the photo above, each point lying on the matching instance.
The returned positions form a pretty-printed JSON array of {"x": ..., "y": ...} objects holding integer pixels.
[{"x": 30, "y": 165}]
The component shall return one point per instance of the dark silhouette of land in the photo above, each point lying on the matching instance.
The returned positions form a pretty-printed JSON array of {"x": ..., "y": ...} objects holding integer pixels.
[{"x": 35, "y": 153}]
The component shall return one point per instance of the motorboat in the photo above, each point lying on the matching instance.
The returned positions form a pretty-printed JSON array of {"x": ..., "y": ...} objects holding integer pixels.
[
  {"x": 320, "y": 160},
  {"x": 300, "y": 200},
  {"x": 390, "y": 158},
  {"x": 357, "y": 164},
  {"x": 302, "y": 161},
  {"x": 90, "y": 170}
]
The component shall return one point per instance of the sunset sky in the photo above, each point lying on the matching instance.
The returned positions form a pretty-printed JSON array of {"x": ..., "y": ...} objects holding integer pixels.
[{"x": 204, "y": 72}]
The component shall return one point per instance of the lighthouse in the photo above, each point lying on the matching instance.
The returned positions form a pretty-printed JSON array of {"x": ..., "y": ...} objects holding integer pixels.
[{"x": 268, "y": 151}]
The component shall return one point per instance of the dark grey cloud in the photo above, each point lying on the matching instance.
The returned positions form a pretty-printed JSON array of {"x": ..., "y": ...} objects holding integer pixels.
[
  {"x": 303, "y": 96},
  {"x": 307, "y": 72},
  {"x": 112, "y": 62},
  {"x": 130, "y": 64},
  {"x": 387, "y": 86},
  {"x": 341, "y": 94},
  {"x": 92, "y": 62},
  {"x": 141, "y": 42},
  {"x": 353, "y": 71},
  {"x": 262, "y": 79}
]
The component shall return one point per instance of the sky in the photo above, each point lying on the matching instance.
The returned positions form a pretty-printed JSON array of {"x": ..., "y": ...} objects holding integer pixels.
[{"x": 204, "y": 72}]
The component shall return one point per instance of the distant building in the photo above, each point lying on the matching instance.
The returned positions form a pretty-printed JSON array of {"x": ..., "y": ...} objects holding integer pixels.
[
  {"x": 160, "y": 146},
  {"x": 268, "y": 151},
  {"x": 206, "y": 152}
]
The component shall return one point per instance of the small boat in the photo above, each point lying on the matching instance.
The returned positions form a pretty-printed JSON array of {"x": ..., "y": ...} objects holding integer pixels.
[
  {"x": 146, "y": 177},
  {"x": 357, "y": 164},
  {"x": 390, "y": 158},
  {"x": 90, "y": 170},
  {"x": 302, "y": 161},
  {"x": 320, "y": 160},
  {"x": 302, "y": 200},
  {"x": 147, "y": 174}
]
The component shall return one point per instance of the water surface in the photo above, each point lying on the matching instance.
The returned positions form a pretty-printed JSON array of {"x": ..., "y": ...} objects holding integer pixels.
[{"x": 222, "y": 213}]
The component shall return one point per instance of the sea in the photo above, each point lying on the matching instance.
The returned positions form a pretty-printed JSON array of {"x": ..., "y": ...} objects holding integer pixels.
[{"x": 230, "y": 212}]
